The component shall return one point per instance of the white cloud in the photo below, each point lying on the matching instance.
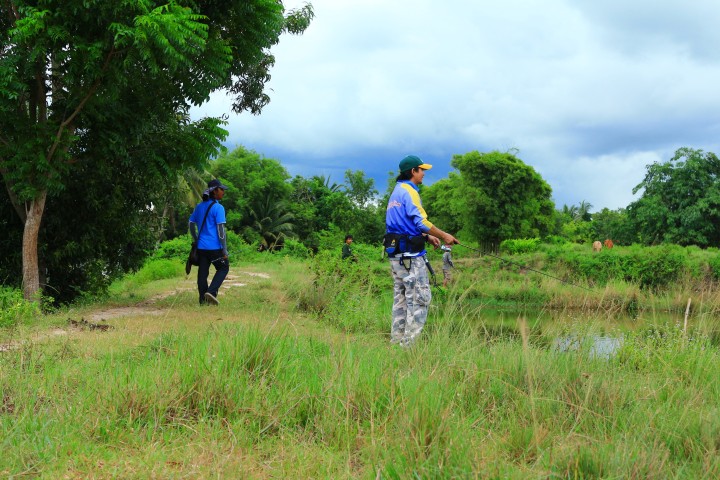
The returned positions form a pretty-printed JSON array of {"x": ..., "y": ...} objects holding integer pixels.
[{"x": 588, "y": 92}]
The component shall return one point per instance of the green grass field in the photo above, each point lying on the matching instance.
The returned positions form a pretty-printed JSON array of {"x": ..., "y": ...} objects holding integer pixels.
[{"x": 291, "y": 378}]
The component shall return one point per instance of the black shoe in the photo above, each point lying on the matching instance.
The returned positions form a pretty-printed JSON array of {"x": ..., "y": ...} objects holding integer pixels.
[{"x": 210, "y": 298}]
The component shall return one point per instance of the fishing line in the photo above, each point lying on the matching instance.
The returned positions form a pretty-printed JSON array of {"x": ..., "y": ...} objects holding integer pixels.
[{"x": 524, "y": 266}]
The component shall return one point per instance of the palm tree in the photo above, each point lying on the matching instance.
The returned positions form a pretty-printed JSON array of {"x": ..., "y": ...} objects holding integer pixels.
[
  {"x": 272, "y": 222},
  {"x": 325, "y": 181},
  {"x": 583, "y": 213},
  {"x": 570, "y": 211}
]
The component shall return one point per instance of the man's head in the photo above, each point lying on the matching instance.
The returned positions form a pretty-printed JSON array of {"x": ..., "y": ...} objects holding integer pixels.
[
  {"x": 348, "y": 239},
  {"x": 215, "y": 189},
  {"x": 413, "y": 169},
  {"x": 445, "y": 248}
]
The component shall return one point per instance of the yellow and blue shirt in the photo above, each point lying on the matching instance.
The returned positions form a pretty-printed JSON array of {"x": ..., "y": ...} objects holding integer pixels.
[{"x": 405, "y": 214}]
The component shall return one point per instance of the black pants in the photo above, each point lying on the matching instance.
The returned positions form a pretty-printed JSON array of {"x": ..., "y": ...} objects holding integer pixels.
[{"x": 222, "y": 267}]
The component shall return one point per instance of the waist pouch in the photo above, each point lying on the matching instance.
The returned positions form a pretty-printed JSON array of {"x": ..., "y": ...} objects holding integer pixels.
[{"x": 396, "y": 244}]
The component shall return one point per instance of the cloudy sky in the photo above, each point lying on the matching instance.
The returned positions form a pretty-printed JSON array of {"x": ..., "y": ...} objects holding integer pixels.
[{"x": 588, "y": 92}]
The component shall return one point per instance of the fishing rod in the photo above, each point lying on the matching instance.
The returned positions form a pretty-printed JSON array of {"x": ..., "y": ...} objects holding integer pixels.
[{"x": 524, "y": 266}]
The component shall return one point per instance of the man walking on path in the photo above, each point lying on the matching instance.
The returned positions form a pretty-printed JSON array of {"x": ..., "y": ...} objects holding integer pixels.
[
  {"x": 407, "y": 231},
  {"x": 211, "y": 241},
  {"x": 447, "y": 265}
]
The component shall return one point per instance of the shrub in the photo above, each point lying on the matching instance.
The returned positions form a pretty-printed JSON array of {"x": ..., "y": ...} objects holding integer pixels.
[
  {"x": 524, "y": 245},
  {"x": 714, "y": 263},
  {"x": 345, "y": 293},
  {"x": 649, "y": 267},
  {"x": 295, "y": 249},
  {"x": 179, "y": 247},
  {"x": 14, "y": 309},
  {"x": 158, "y": 270}
]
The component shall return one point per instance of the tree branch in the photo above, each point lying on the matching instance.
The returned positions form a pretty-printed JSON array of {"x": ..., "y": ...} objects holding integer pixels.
[
  {"x": 13, "y": 198},
  {"x": 11, "y": 9},
  {"x": 80, "y": 106}
]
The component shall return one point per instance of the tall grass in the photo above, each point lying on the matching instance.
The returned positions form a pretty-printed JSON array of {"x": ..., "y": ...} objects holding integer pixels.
[
  {"x": 257, "y": 389},
  {"x": 455, "y": 406}
]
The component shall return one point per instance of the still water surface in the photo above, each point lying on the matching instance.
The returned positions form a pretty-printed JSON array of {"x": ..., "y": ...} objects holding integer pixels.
[{"x": 599, "y": 334}]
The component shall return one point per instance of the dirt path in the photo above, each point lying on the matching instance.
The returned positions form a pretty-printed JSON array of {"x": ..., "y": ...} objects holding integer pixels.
[{"x": 94, "y": 320}]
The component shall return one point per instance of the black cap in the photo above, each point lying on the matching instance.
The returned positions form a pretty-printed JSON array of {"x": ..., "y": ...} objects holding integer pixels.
[{"x": 215, "y": 183}]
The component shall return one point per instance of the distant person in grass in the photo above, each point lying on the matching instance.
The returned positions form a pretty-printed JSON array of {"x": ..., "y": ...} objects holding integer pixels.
[
  {"x": 447, "y": 265},
  {"x": 346, "y": 250},
  {"x": 211, "y": 241},
  {"x": 407, "y": 231}
]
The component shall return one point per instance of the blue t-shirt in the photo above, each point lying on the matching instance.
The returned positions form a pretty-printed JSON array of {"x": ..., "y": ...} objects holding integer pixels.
[{"x": 208, "y": 238}]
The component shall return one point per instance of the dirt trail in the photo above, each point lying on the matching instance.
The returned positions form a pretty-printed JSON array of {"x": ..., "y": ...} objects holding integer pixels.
[{"x": 95, "y": 319}]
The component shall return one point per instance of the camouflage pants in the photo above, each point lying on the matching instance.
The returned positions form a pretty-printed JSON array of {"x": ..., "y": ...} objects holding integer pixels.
[{"x": 411, "y": 301}]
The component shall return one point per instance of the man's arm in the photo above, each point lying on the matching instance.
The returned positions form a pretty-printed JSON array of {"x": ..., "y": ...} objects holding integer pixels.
[
  {"x": 223, "y": 238},
  {"x": 192, "y": 226},
  {"x": 435, "y": 235}
]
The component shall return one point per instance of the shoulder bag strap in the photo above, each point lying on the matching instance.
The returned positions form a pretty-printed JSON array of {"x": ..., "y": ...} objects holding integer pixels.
[{"x": 205, "y": 218}]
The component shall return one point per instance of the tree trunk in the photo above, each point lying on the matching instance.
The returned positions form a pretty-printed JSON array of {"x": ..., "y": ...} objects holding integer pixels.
[{"x": 30, "y": 263}]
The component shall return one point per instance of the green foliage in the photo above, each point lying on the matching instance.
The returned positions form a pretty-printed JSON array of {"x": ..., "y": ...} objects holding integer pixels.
[
  {"x": 516, "y": 246},
  {"x": 346, "y": 293},
  {"x": 555, "y": 240},
  {"x": 503, "y": 197},
  {"x": 443, "y": 204},
  {"x": 578, "y": 231},
  {"x": 318, "y": 206},
  {"x": 14, "y": 309},
  {"x": 359, "y": 189},
  {"x": 714, "y": 263},
  {"x": 680, "y": 201},
  {"x": 177, "y": 248},
  {"x": 93, "y": 91},
  {"x": 156, "y": 270},
  {"x": 256, "y": 185},
  {"x": 295, "y": 249},
  {"x": 649, "y": 267},
  {"x": 615, "y": 225}
]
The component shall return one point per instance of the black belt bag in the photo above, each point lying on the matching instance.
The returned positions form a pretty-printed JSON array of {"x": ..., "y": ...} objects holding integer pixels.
[{"x": 396, "y": 244}]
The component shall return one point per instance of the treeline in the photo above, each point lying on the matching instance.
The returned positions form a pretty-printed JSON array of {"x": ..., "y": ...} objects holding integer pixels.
[{"x": 98, "y": 228}]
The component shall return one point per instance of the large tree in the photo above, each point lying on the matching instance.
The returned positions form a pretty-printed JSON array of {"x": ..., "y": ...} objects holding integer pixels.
[
  {"x": 502, "y": 196},
  {"x": 66, "y": 66},
  {"x": 444, "y": 205},
  {"x": 680, "y": 200}
]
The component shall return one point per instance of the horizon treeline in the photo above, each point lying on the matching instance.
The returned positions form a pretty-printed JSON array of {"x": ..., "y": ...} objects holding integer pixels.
[{"x": 95, "y": 231}]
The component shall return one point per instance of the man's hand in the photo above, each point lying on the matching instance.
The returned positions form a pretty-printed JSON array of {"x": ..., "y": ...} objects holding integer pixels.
[
  {"x": 450, "y": 240},
  {"x": 436, "y": 233},
  {"x": 434, "y": 241}
]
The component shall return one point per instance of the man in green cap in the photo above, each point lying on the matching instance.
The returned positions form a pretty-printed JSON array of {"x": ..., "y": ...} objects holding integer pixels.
[{"x": 407, "y": 231}]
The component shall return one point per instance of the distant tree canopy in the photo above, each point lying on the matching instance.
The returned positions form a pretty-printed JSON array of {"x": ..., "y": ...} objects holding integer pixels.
[
  {"x": 106, "y": 87},
  {"x": 265, "y": 205},
  {"x": 615, "y": 225},
  {"x": 496, "y": 196},
  {"x": 680, "y": 201}
]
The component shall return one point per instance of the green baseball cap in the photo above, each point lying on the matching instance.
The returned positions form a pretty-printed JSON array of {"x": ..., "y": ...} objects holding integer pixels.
[{"x": 412, "y": 161}]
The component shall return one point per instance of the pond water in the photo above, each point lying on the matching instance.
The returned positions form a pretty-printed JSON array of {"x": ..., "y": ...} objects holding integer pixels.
[
  {"x": 601, "y": 335},
  {"x": 599, "y": 346}
]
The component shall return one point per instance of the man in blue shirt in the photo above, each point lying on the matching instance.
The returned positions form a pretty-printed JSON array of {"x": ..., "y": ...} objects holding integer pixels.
[
  {"x": 407, "y": 231},
  {"x": 211, "y": 240}
]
